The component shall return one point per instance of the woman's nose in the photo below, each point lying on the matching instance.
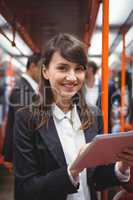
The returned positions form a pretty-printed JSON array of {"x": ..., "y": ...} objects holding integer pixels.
[{"x": 71, "y": 77}]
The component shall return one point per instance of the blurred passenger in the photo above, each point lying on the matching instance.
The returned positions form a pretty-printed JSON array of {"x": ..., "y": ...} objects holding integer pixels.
[
  {"x": 2, "y": 95},
  {"x": 93, "y": 89},
  {"x": 22, "y": 95},
  {"x": 117, "y": 109},
  {"x": 48, "y": 136}
]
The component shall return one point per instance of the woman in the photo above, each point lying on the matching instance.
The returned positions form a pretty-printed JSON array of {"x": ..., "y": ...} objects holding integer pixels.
[{"x": 49, "y": 134}]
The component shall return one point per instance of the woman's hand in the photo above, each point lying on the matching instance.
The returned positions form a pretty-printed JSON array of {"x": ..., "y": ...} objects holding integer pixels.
[
  {"x": 75, "y": 171},
  {"x": 126, "y": 159}
]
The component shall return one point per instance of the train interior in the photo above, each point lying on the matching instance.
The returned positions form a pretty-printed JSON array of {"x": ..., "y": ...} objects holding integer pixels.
[{"x": 106, "y": 28}]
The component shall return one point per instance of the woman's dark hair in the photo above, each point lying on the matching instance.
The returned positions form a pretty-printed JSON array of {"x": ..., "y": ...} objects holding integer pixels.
[{"x": 72, "y": 50}]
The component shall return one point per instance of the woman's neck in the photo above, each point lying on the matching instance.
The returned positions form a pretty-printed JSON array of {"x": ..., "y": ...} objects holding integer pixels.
[{"x": 65, "y": 105}]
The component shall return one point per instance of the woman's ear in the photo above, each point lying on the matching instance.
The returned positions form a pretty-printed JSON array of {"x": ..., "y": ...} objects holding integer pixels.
[{"x": 45, "y": 72}]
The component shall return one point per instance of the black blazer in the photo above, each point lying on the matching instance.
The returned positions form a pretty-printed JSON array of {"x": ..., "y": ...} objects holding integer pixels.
[
  {"x": 40, "y": 167},
  {"x": 21, "y": 96}
]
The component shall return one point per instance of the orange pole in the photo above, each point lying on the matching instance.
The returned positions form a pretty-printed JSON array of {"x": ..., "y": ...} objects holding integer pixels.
[
  {"x": 123, "y": 81},
  {"x": 105, "y": 70}
]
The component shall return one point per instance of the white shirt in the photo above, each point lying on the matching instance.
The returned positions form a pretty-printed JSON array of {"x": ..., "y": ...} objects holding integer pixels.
[
  {"x": 72, "y": 138},
  {"x": 32, "y": 82},
  {"x": 91, "y": 93}
]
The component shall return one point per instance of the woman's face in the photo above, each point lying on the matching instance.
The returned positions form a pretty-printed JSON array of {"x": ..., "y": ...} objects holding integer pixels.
[{"x": 66, "y": 78}]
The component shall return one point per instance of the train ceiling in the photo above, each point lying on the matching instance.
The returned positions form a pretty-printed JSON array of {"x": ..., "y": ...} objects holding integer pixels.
[
  {"x": 38, "y": 20},
  {"x": 41, "y": 19}
]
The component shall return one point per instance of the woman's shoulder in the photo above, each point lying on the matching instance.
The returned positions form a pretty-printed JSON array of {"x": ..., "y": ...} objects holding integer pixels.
[
  {"x": 26, "y": 120},
  {"x": 29, "y": 117},
  {"x": 24, "y": 115},
  {"x": 25, "y": 111}
]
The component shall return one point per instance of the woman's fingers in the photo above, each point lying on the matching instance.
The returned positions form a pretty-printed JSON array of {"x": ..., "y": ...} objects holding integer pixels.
[{"x": 127, "y": 156}]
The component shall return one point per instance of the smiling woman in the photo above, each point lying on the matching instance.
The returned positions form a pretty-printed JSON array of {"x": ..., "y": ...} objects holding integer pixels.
[
  {"x": 66, "y": 79},
  {"x": 63, "y": 75},
  {"x": 50, "y": 134}
]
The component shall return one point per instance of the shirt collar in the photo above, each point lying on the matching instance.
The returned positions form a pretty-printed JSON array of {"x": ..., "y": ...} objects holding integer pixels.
[
  {"x": 59, "y": 114},
  {"x": 31, "y": 81},
  {"x": 72, "y": 115}
]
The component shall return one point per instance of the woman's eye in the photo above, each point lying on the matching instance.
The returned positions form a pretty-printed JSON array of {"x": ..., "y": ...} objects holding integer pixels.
[
  {"x": 80, "y": 68},
  {"x": 62, "y": 68}
]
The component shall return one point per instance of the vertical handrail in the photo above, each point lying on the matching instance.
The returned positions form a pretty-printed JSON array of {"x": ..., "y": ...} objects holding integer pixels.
[
  {"x": 123, "y": 81},
  {"x": 105, "y": 70}
]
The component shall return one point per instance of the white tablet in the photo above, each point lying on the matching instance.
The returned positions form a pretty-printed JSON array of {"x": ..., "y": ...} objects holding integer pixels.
[{"x": 103, "y": 150}]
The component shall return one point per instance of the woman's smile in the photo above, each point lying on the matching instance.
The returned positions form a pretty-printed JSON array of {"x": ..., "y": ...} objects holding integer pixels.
[{"x": 69, "y": 86}]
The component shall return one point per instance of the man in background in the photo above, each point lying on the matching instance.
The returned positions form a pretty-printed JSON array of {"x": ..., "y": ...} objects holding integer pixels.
[
  {"x": 93, "y": 89},
  {"x": 22, "y": 95}
]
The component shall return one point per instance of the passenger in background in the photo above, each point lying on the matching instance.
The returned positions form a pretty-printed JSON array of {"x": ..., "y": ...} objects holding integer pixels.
[
  {"x": 93, "y": 89},
  {"x": 49, "y": 135},
  {"x": 22, "y": 95},
  {"x": 127, "y": 110}
]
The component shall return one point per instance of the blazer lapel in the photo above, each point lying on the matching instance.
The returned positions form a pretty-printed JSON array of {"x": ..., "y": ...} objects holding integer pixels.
[{"x": 51, "y": 139}]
